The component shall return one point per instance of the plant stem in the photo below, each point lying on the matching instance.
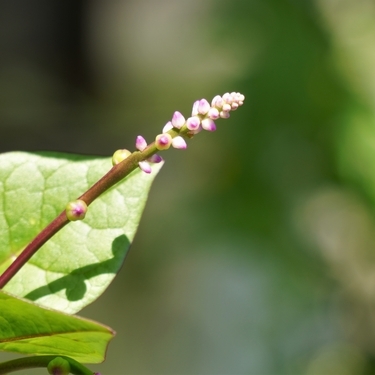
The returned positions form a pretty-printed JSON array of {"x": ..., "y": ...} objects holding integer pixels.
[
  {"x": 32, "y": 247},
  {"x": 115, "y": 175},
  {"x": 41, "y": 361}
]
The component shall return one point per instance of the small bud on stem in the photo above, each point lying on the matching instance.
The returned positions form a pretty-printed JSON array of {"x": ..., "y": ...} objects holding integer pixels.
[
  {"x": 76, "y": 210},
  {"x": 58, "y": 366},
  {"x": 120, "y": 155}
]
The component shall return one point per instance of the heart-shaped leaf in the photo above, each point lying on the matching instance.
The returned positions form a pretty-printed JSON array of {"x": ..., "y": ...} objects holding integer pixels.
[
  {"x": 30, "y": 329},
  {"x": 76, "y": 265}
]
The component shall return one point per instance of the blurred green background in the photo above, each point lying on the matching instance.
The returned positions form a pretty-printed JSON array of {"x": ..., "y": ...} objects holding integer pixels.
[{"x": 256, "y": 252}]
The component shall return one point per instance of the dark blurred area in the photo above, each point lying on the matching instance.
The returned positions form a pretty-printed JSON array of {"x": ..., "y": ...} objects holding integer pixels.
[{"x": 256, "y": 252}]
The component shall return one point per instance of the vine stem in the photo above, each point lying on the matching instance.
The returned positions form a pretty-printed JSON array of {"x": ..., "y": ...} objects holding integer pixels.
[
  {"x": 41, "y": 361},
  {"x": 115, "y": 175},
  {"x": 202, "y": 115}
]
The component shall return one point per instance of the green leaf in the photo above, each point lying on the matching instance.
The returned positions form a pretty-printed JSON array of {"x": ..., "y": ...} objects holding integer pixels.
[
  {"x": 30, "y": 329},
  {"x": 74, "y": 267}
]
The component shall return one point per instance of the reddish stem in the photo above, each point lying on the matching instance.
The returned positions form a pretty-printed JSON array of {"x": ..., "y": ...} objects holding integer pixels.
[
  {"x": 32, "y": 247},
  {"x": 114, "y": 175}
]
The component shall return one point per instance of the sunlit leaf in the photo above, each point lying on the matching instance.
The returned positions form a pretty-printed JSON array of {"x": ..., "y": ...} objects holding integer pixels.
[
  {"x": 30, "y": 329},
  {"x": 78, "y": 263}
]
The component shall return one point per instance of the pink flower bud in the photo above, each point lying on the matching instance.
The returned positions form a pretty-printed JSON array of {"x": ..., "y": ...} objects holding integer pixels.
[
  {"x": 140, "y": 143},
  {"x": 208, "y": 124},
  {"x": 227, "y": 98},
  {"x": 76, "y": 210},
  {"x": 194, "y": 132},
  {"x": 213, "y": 113},
  {"x": 179, "y": 142},
  {"x": 217, "y": 102},
  {"x": 145, "y": 166},
  {"x": 163, "y": 141},
  {"x": 194, "y": 111},
  {"x": 226, "y": 107},
  {"x": 203, "y": 106},
  {"x": 155, "y": 158},
  {"x": 224, "y": 114},
  {"x": 178, "y": 120},
  {"x": 168, "y": 126},
  {"x": 192, "y": 123}
]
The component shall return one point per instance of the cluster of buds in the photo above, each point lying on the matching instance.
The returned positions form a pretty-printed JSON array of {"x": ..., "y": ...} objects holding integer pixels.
[{"x": 203, "y": 116}]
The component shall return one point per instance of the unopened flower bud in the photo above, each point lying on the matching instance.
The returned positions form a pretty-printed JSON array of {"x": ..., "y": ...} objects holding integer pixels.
[
  {"x": 227, "y": 98},
  {"x": 226, "y": 107},
  {"x": 217, "y": 102},
  {"x": 163, "y": 141},
  {"x": 58, "y": 366},
  {"x": 194, "y": 111},
  {"x": 179, "y": 142},
  {"x": 213, "y": 113},
  {"x": 192, "y": 123},
  {"x": 208, "y": 124},
  {"x": 120, "y": 155},
  {"x": 76, "y": 210},
  {"x": 155, "y": 158},
  {"x": 203, "y": 106},
  {"x": 178, "y": 120},
  {"x": 145, "y": 166},
  {"x": 224, "y": 114},
  {"x": 168, "y": 126},
  {"x": 140, "y": 143}
]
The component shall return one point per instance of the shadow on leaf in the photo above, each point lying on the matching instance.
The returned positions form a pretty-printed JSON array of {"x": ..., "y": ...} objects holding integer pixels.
[{"x": 74, "y": 282}]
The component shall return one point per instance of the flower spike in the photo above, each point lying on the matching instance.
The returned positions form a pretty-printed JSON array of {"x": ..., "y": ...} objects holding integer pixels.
[{"x": 174, "y": 133}]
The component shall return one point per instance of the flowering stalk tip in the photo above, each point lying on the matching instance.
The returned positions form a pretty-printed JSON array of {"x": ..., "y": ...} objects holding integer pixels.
[{"x": 175, "y": 131}]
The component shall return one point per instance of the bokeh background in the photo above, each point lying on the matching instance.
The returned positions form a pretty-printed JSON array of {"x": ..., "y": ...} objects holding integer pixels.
[{"x": 256, "y": 251}]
